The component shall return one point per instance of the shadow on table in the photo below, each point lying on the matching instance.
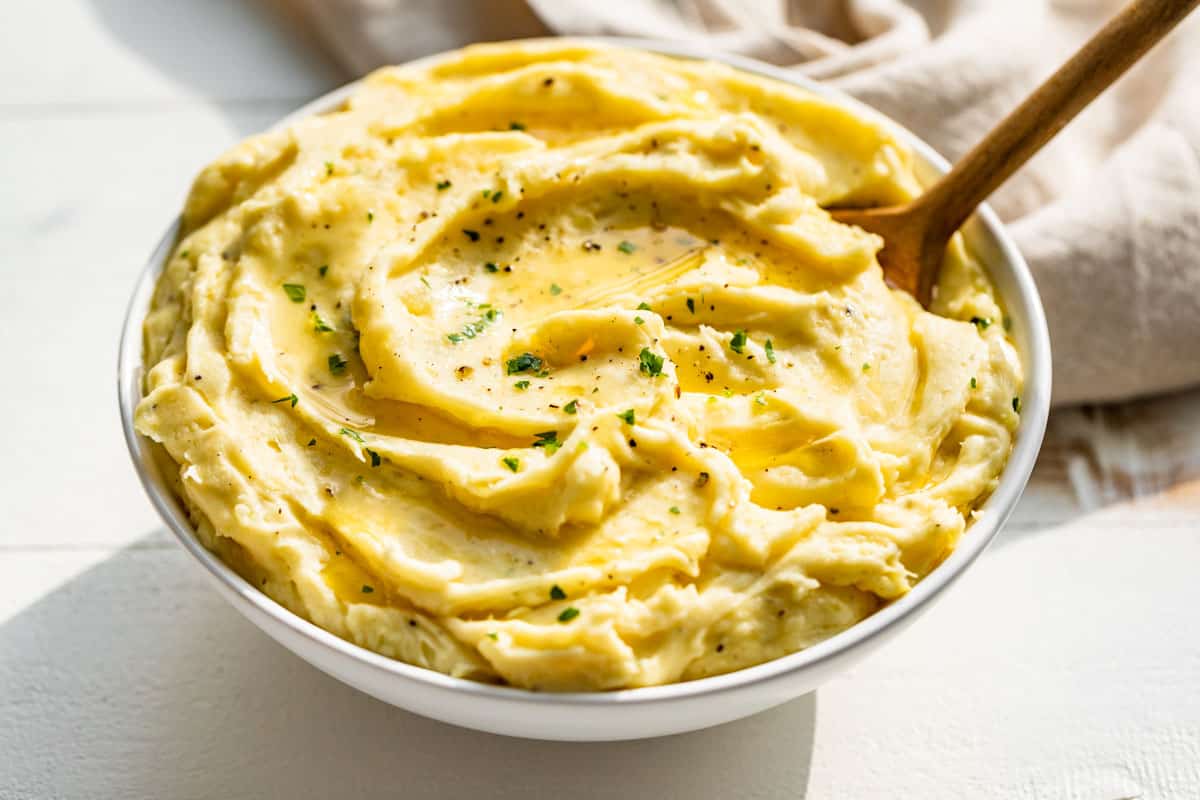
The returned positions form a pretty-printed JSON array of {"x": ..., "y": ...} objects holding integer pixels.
[
  {"x": 157, "y": 688},
  {"x": 249, "y": 59}
]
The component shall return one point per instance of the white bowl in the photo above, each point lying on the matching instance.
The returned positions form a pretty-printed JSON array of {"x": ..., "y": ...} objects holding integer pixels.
[{"x": 657, "y": 710}]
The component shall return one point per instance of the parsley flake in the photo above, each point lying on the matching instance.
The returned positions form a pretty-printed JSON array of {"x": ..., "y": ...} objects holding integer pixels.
[
  {"x": 555, "y": 289},
  {"x": 522, "y": 385},
  {"x": 496, "y": 195},
  {"x": 337, "y": 364},
  {"x": 328, "y": 168},
  {"x": 738, "y": 343},
  {"x": 639, "y": 321},
  {"x": 516, "y": 126},
  {"x": 760, "y": 399},
  {"x": 375, "y": 460},
  {"x": 355, "y": 435},
  {"x": 473, "y": 329},
  {"x": 548, "y": 440},
  {"x": 526, "y": 362},
  {"x": 569, "y": 613},
  {"x": 291, "y": 398},
  {"x": 691, "y": 304},
  {"x": 981, "y": 322},
  {"x": 513, "y": 464},
  {"x": 443, "y": 185},
  {"x": 557, "y": 593},
  {"x": 974, "y": 383},
  {"x": 866, "y": 367},
  {"x": 295, "y": 292},
  {"x": 674, "y": 510},
  {"x": 626, "y": 246},
  {"x": 627, "y": 416},
  {"x": 491, "y": 267},
  {"x": 769, "y": 348},
  {"x": 370, "y": 216},
  {"x": 367, "y": 589},
  {"x": 650, "y": 363},
  {"x": 1016, "y": 404},
  {"x": 323, "y": 270},
  {"x": 643, "y": 306},
  {"x": 571, "y": 407},
  {"x": 320, "y": 325}
]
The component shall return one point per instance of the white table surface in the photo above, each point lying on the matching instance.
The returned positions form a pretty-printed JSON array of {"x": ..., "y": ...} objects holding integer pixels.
[{"x": 1066, "y": 665}]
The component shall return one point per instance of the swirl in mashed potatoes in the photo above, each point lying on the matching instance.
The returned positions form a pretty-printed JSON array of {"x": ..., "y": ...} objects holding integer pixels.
[{"x": 542, "y": 364}]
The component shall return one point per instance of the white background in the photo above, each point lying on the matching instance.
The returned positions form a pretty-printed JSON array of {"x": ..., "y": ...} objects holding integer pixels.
[{"x": 1065, "y": 665}]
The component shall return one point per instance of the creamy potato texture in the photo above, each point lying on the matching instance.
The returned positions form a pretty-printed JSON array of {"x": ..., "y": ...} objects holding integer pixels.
[{"x": 543, "y": 364}]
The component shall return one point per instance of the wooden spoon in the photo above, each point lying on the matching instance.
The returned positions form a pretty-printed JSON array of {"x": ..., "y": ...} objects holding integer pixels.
[{"x": 915, "y": 234}]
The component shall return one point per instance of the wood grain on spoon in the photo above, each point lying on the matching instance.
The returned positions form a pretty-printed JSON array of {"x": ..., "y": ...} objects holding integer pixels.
[{"x": 915, "y": 234}]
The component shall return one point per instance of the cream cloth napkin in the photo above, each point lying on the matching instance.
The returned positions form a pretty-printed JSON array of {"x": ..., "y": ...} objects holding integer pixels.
[{"x": 1108, "y": 215}]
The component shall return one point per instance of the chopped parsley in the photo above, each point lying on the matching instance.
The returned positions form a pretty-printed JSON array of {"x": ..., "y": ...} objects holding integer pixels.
[
  {"x": 557, "y": 593},
  {"x": 627, "y": 416},
  {"x": 866, "y": 367},
  {"x": 1016, "y": 403},
  {"x": 375, "y": 460},
  {"x": 291, "y": 398},
  {"x": 516, "y": 126},
  {"x": 496, "y": 195},
  {"x": 473, "y": 329},
  {"x": 328, "y": 168},
  {"x": 320, "y": 325},
  {"x": 322, "y": 270},
  {"x": 626, "y": 246},
  {"x": 355, "y": 435},
  {"x": 472, "y": 235},
  {"x": 493, "y": 636},
  {"x": 526, "y": 362},
  {"x": 571, "y": 407},
  {"x": 548, "y": 440},
  {"x": 974, "y": 383},
  {"x": 443, "y": 185},
  {"x": 513, "y": 464},
  {"x": 555, "y": 289},
  {"x": 769, "y": 348},
  {"x": 486, "y": 193},
  {"x": 370, "y": 216},
  {"x": 295, "y": 292},
  {"x": 367, "y": 589},
  {"x": 569, "y": 613},
  {"x": 639, "y": 321},
  {"x": 644, "y": 306},
  {"x": 650, "y": 363},
  {"x": 491, "y": 267},
  {"x": 738, "y": 343},
  {"x": 760, "y": 399},
  {"x": 183, "y": 253},
  {"x": 337, "y": 364},
  {"x": 522, "y": 385},
  {"x": 425, "y": 282},
  {"x": 1007, "y": 323},
  {"x": 674, "y": 509},
  {"x": 691, "y": 304},
  {"x": 981, "y": 322}
]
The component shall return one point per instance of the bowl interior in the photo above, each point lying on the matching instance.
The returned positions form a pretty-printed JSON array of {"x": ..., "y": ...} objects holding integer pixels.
[{"x": 985, "y": 237}]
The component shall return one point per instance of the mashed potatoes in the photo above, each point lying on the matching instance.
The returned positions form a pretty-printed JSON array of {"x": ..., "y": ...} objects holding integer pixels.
[{"x": 543, "y": 364}]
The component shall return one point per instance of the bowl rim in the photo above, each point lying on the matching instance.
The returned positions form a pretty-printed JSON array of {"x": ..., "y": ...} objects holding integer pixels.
[{"x": 993, "y": 513}]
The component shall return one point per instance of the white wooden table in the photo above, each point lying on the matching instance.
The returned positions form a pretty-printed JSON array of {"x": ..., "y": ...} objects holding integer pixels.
[{"x": 1066, "y": 665}]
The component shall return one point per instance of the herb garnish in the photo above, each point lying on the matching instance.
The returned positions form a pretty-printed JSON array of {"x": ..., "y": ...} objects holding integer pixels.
[
  {"x": 516, "y": 126},
  {"x": 738, "y": 342},
  {"x": 337, "y": 364},
  {"x": 691, "y": 304},
  {"x": 650, "y": 363},
  {"x": 290, "y": 398},
  {"x": 1016, "y": 403},
  {"x": 355, "y": 435},
  {"x": 526, "y": 362},
  {"x": 571, "y": 407},
  {"x": 769, "y": 347},
  {"x": 496, "y": 195},
  {"x": 328, "y": 168},
  {"x": 674, "y": 509},
  {"x": 491, "y": 267},
  {"x": 522, "y": 385},
  {"x": 866, "y": 367},
  {"x": 548, "y": 440},
  {"x": 375, "y": 460},
  {"x": 367, "y": 589},
  {"x": 321, "y": 270},
  {"x": 639, "y": 321},
  {"x": 320, "y": 325},
  {"x": 295, "y": 292},
  {"x": 370, "y": 216},
  {"x": 556, "y": 593},
  {"x": 555, "y": 289},
  {"x": 473, "y": 329},
  {"x": 627, "y": 416},
  {"x": 626, "y": 246},
  {"x": 644, "y": 306},
  {"x": 981, "y": 322},
  {"x": 974, "y": 383},
  {"x": 513, "y": 464},
  {"x": 569, "y": 613}
]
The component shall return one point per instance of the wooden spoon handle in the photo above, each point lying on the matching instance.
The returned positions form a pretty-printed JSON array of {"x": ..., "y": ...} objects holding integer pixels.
[{"x": 1022, "y": 133}]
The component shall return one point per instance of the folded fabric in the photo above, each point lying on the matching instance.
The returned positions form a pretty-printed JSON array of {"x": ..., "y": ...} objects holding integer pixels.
[{"x": 1108, "y": 215}]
